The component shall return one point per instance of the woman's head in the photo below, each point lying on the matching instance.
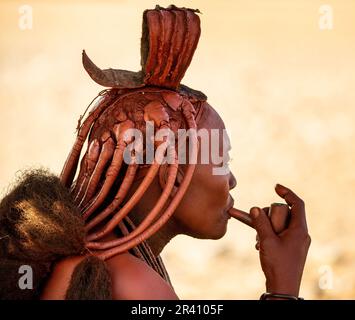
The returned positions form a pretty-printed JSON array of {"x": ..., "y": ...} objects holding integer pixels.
[
  {"x": 188, "y": 198},
  {"x": 39, "y": 210},
  {"x": 39, "y": 224}
]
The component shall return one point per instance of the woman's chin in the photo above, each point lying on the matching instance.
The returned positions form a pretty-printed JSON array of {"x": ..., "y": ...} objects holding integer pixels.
[
  {"x": 220, "y": 234},
  {"x": 215, "y": 234},
  {"x": 213, "y": 230},
  {"x": 218, "y": 231}
]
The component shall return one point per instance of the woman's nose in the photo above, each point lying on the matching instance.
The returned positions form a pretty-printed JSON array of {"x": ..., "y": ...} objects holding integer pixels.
[{"x": 232, "y": 181}]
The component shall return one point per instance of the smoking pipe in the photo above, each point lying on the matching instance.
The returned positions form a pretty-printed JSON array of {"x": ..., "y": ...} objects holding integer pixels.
[{"x": 279, "y": 215}]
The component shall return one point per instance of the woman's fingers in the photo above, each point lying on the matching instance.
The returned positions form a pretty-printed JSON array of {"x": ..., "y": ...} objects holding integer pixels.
[
  {"x": 298, "y": 213},
  {"x": 261, "y": 223}
]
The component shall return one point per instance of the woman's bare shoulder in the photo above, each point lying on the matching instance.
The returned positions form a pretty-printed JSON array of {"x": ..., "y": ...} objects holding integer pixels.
[{"x": 133, "y": 279}]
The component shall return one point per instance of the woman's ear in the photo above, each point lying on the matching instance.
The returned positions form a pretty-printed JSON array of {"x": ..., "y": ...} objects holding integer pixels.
[{"x": 163, "y": 177}]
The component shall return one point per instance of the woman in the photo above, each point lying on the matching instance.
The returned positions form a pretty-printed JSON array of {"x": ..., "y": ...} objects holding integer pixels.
[
  {"x": 202, "y": 213},
  {"x": 132, "y": 210}
]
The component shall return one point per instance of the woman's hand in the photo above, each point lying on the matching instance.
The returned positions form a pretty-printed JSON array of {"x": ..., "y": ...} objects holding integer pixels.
[{"x": 283, "y": 255}]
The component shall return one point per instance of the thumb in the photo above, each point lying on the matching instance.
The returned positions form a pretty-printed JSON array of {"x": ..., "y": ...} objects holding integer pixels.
[{"x": 261, "y": 223}]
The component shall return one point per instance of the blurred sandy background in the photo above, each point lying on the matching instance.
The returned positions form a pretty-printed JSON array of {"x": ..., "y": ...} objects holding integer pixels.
[{"x": 285, "y": 88}]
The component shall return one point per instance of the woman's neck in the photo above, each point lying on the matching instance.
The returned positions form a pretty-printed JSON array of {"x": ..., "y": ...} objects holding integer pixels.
[{"x": 159, "y": 240}]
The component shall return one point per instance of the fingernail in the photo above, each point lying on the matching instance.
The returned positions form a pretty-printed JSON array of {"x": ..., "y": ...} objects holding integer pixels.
[
  {"x": 279, "y": 185},
  {"x": 254, "y": 211}
]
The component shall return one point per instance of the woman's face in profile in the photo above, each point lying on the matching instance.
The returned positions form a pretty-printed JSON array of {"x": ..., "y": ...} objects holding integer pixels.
[{"x": 202, "y": 212}]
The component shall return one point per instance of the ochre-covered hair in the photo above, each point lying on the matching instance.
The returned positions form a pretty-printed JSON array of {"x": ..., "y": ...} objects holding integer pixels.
[
  {"x": 44, "y": 219},
  {"x": 169, "y": 39},
  {"x": 104, "y": 179}
]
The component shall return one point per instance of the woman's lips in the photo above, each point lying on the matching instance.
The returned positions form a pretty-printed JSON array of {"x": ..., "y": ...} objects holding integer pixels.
[
  {"x": 238, "y": 214},
  {"x": 230, "y": 203},
  {"x": 229, "y": 206}
]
